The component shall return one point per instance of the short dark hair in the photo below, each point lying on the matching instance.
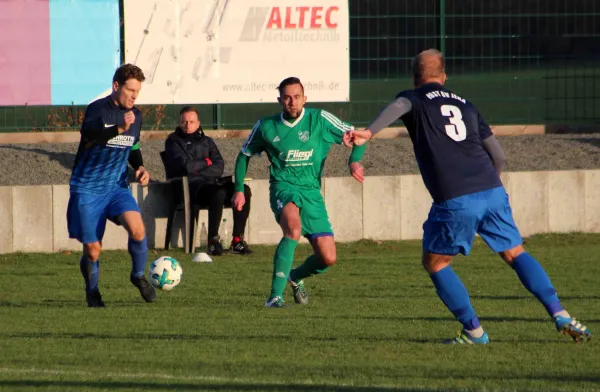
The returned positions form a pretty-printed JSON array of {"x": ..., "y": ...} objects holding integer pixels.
[
  {"x": 288, "y": 82},
  {"x": 126, "y": 72},
  {"x": 428, "y": 64},
  {"x": 188, "y": 109}
]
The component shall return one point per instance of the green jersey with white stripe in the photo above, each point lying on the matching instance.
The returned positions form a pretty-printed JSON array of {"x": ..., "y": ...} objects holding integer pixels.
[{"x": 297, "y": 150}]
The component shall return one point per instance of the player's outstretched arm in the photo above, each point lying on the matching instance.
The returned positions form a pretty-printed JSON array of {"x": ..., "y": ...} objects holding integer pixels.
[
  {"x": 359, "y": 138},
  {"x": 349, "y": 138},
  {"x": 392, "y": 112}
]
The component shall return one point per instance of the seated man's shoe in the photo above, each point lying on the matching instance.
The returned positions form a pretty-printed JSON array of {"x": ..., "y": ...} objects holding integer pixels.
[{"x": 239, "y": 246}]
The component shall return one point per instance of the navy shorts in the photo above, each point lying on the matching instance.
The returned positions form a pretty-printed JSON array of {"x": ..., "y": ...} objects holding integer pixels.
[
  {"x": 87, "y": 214},
  {"x": 451, "y": 225}
]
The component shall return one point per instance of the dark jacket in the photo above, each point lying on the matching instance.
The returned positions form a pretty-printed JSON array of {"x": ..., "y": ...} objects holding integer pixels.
[{"x": 186, "y": 156}]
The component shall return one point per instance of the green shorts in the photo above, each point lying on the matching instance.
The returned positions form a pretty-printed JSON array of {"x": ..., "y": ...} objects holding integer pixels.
[{"x": 313, "y": 215}]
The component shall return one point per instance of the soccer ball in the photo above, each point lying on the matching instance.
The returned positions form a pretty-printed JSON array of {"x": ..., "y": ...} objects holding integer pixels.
[{"x": 165, "y": 273}]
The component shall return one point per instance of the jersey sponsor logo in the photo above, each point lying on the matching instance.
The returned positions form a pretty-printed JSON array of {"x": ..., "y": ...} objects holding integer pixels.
[
  {"x": 108, "y": 125},
  {"x": 297, "y": 157},
  {"x": 443, "y": 94},
  {"x": 303, "y": 136},
  {"x": 121, "y": 141}
]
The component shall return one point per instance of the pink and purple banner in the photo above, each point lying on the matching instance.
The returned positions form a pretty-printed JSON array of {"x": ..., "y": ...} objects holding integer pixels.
[{"x": 57, "y": 52}]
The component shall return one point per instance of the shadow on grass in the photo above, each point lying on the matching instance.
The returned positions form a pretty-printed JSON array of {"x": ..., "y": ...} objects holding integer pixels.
[
  {"x": 229, "y": 386},
  {"x": 146, "y": 386},
  {"x": 284, "y": 338},
  {"x": 531, "y": 298}
]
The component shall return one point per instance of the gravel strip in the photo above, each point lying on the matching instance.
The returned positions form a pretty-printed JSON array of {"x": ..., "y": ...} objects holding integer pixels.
[{"x": 46, "y": 164}]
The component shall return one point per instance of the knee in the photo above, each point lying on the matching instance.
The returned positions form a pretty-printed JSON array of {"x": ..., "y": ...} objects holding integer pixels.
[
  {"x": 220, "y": 194},
  {"x": 92, "y": 251},
  {"x": 290, "y": 223},
  {"x": 510, "y": 255},
  {"x": 293, "y": 232},
  {"x": 136, "y": 229},
  {"x": 434, "y": 263},
  {"x": 292, "y": 229},
  {"x": 137, "y": 233},
  {"x": 329, "y": 258}
]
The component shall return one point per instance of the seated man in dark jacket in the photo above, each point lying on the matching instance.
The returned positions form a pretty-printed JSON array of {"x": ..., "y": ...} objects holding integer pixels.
[{"x": 190, "y": 152}]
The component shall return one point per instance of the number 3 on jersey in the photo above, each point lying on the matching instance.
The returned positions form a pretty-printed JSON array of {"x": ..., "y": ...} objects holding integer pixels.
[{"x": 457, "y": 130}]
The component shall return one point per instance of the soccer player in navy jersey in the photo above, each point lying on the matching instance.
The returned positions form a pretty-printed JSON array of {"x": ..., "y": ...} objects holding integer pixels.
[
  {"x": 460, "y": 161},
  {"x": 110, "y": 136}
]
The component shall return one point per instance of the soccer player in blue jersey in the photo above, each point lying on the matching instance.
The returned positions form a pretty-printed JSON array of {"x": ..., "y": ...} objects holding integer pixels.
[
  {"x": 110, "y": 136},
  {"x": 460, "y": 161}
]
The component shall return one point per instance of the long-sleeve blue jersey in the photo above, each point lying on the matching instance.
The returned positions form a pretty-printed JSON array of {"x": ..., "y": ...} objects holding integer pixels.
[
  {"x": 101, "y": 162},
  {"x": 447, "y": 132}
]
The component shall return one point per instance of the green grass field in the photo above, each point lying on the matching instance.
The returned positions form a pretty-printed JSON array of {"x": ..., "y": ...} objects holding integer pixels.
[{"x": 374, "y": 324}]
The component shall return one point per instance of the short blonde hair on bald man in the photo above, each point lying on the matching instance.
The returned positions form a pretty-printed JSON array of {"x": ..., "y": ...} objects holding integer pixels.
[{"x": 427, "y": 65}]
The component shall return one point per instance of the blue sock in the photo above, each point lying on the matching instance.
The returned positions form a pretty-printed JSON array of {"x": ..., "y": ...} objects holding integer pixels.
[
  {"x": 90, "y": 271},
  {"x": 535, "y": 279},
  {"x": 139, "y": 254},
  {"x": 455, "y": 296}
]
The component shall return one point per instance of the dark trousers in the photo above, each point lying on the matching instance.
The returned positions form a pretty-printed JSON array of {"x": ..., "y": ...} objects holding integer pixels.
[{"x": 214, "y": 197}]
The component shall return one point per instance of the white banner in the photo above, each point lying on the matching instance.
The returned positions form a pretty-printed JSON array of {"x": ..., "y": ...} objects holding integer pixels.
[{"x": 236, "y": 51}]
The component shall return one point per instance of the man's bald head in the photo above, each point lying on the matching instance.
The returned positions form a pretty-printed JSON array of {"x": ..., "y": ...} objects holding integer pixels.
[{"x": 429, "y": 66}]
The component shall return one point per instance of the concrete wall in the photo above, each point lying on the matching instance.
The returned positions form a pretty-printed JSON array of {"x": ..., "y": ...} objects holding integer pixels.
[{"x": 33, "y": 218}]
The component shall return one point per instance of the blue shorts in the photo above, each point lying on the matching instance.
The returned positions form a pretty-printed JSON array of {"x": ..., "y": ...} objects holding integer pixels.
[
  {"x": 87, "y": 214},
  {"x": 451, "y": 225}
]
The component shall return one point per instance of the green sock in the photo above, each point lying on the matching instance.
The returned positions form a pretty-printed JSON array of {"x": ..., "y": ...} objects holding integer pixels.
[
  {"x": 312, "y": 266},
  {"x": 282, "y": 263}
]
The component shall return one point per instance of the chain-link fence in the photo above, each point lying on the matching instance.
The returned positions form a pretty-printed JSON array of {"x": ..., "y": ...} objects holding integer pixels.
[{"x": 519, "y": 61}]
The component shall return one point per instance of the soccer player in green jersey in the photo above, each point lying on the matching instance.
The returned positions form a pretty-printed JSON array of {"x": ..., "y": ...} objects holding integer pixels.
[{"x": 296, "y": 142}]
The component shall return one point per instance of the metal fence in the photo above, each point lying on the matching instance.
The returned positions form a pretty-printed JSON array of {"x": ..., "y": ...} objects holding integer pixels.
[{"x": 519, "y": 61}]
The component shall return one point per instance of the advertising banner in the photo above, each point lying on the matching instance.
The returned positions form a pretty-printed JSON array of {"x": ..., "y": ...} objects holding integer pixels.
[
  {"x": 237, "y": 51},
  {"x": 57, "y": 52}
]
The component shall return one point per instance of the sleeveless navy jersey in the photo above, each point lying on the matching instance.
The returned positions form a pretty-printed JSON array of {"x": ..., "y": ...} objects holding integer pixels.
[
  {"x": 101, "y": 162},
  {"x": 447, "y": 133}
]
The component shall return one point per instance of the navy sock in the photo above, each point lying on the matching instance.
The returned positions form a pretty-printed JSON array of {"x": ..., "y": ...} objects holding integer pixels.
[
  {"x": 455, "y": 296},
  {"x": 139, "y": 254},
  {"x": 534, "y": 278},
  {"x": 90, "y": 270}
]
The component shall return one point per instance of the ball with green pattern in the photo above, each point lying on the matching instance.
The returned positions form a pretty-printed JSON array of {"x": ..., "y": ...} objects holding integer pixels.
[{"x": 165, "y": 273}]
